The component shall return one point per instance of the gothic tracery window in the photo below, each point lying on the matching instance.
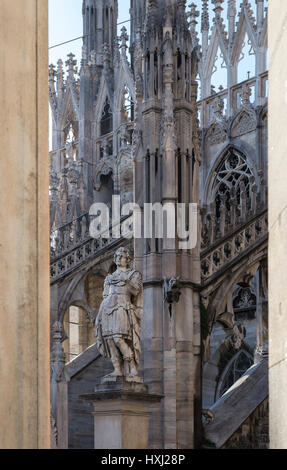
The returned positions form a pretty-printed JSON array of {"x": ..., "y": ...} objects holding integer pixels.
[
  {"x": 238, "y": 365},
  {"x": 244, "y": 302},
  {"x": 233, "y": 176}
]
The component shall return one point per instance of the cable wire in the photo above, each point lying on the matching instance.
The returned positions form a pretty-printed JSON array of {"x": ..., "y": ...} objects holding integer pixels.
[{"x": 81, "y": 37}]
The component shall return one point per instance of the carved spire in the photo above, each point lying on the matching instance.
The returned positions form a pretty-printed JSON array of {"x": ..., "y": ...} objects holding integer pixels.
[
  {"x": 231, "y": 14},
  {"x": 60, "y": 75},
  {"x": 52, "y": 90},
  {"x": 217, "y": 7},
  {"x": 71, "y": 63},
  {"x": 152, "y": 9},
  {"x": 57, "y": 352},
  {"x": 231, "y": 11},
  {"x": 204, "y": 16},
  {"x": 123, "y": 41},
  {"x": 260, "y": 12},
  {"x": 192, "y": 15},
  {"x": 52, "y": 73}
]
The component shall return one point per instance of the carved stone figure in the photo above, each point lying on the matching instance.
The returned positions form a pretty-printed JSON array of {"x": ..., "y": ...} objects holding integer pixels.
[
  {"x": 172, "y": 291},
  {"x": 118, "y": 324},
  {"x": 236, "y": 338}
]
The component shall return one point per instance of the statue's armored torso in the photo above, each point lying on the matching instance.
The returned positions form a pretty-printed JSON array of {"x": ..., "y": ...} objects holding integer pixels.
[{"x": 117, "y": 304}]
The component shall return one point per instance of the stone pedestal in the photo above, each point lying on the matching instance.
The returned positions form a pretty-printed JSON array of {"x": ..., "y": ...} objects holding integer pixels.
[{"x": 121, "y": 414}]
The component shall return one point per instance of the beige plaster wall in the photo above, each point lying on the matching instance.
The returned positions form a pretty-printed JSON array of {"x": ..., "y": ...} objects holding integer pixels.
[
  {"x": 278, "y": 222},
  {"x": 24, "y": 225}
]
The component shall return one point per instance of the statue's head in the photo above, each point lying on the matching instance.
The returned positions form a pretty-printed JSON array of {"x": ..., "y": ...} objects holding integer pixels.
[{"x": 122, "y": 257}]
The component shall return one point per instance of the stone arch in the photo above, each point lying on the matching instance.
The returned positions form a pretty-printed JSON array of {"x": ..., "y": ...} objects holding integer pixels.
[
  {"x": 235, "y": 368},
  {"x": 78, "y": 282},
  {"x": 216, "y": 369},
  {"x": 79, "y": 332},
  {"x": 244, "y": 121},
  {"x": 104, "y": 168},
  {"x": 238, "y": 147}
]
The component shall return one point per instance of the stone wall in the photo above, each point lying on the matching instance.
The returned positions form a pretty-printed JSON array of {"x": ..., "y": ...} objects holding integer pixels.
[
  {"x": 277, "y": 225},
  {"x": 81, "y": 422}
]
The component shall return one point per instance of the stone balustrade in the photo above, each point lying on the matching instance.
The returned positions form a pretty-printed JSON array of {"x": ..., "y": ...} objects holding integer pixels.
[
  {"x": 72, "y": 245},
  {"x": 231, "y": 247}
]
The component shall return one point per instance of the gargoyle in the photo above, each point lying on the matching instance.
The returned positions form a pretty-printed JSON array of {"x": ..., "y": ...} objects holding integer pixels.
[{"x": 171, "y": 292}]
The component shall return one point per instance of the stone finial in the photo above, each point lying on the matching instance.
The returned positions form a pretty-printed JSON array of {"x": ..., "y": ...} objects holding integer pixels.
[
  {"x": 57, "y": 352},
  {"x": 181, "y": 5},
  {"x": 245, "y": 94},
  {"x": 193, "y": 14},
  {"x": 60, "y": 72},
  {"x": 204, "y": 16},
  {"x": 231, "y": 11},
  {"x": 217, "y": 7},
  {"x": 54, "y": 180},
  {"x": 52, "y": 73},
  {"x": 123, "y": 40},
  {"x": 84, "y": 7},
  {"x": 71, "y": 63}
]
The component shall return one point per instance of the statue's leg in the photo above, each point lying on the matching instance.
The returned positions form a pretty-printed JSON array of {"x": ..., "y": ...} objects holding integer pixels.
[
  {"x": 115, "y": 358},
  {"x": 128, "y": 356}
]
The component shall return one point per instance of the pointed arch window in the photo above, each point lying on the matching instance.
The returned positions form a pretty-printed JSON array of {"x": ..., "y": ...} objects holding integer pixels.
[
  {"x": 233, "y": 174},
  {"x": 107, "y": 119},
  {"x": 238, "y": 365}
]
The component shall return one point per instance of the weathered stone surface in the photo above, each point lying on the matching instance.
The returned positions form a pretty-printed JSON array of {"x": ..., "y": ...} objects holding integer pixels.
[
  {"x": 80, "y": 420},
  {"x": 277, "y": 226},
  {"x": 24, "y": 239},
  {"x": 121, "y": 414}
]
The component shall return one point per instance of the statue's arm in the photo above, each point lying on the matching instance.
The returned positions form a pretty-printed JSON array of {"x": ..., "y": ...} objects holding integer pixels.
[{"x": 135, "y": 284}]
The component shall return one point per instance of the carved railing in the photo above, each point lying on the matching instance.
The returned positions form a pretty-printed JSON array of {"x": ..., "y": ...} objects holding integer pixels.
[
  {"x": 64, "y": 238},
  {"x": 72, "y": 245},
  {"x": 63, "y": 155},
  {"x": 230, "y": 248},
  {"x": 206, "y": 105}
]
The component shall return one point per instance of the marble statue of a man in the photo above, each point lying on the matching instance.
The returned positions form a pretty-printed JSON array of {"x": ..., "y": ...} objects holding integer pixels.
[{"x": 118, "y": 324}]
